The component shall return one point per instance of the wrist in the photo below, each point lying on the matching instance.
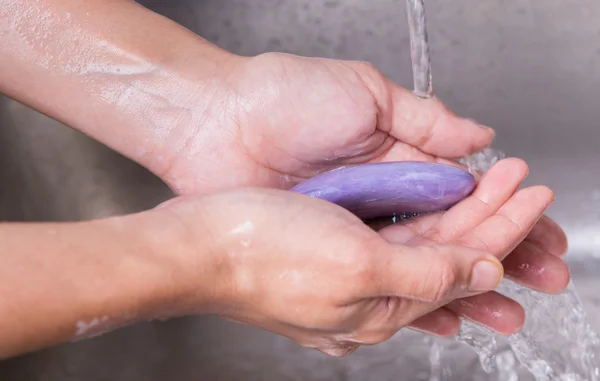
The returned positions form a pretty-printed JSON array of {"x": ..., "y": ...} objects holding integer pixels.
[
  {"x": 142, "y": 279},
  {"x": 192, "y": 271},
  {"x": 165, "y": 270},
  {"x": 186, "y": 106},
  {"x": 176, "y": 78},
  {"x": 72, "y": 281},
  {"x": 123, "y": 75}
]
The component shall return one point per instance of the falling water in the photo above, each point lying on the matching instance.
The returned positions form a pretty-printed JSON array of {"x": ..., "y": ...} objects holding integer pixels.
[
  {"x": 556, "y": 342},
  {"x": 419, "y": 49}
]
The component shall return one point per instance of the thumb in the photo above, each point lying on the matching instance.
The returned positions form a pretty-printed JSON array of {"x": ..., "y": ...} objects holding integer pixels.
[
  {"x": 438, "y": 274},
  {"x": 428, "y": 125},
  {"x": 423, "y": 123}
]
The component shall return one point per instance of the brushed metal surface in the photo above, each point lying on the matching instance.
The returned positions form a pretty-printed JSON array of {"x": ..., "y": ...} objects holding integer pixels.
[{"x": 530, "y": 69}]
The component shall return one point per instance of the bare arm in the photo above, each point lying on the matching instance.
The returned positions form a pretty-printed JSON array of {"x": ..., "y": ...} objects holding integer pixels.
[
  {"x": 70, "y": 281},
  {"x": 111, "y": 69}
]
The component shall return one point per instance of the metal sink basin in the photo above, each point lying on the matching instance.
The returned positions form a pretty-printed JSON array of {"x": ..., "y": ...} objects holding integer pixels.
[{"x": 530, "y": 69}]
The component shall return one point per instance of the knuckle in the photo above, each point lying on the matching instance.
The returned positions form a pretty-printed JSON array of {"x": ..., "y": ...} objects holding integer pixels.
[
  {"x": 435, "y": 235},
  {"x": 370, "y": 75},
  {"x": 441, "y": 282},
  {"x": 340, "y": 350},
  {"x": 367, "y": 66},
  {"x": 476, "y": 241},
  {"x": 376, "y": 337},
  {"x": 363, "y": 267},
  {"x": 432, "y": 120},
  {"x": 267, "y": 57},
  {"x": 444, "y": 286}
]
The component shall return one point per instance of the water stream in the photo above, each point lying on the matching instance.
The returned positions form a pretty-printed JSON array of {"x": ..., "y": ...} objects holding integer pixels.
[{"x": 556, "y": 342}]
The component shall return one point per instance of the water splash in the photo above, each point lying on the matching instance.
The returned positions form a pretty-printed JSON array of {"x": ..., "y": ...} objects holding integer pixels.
[
  {"x": 480, "y": 162},
  {"x": 555, "y": 344},
  {"x": 506, "y": 363},
  {"x": 438, "y": 372}
]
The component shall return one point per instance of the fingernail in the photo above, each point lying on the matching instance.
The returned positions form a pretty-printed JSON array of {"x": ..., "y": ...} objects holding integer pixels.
[
  {"x": 486, "y": 276},
  {"x": 489, "y": 129}
]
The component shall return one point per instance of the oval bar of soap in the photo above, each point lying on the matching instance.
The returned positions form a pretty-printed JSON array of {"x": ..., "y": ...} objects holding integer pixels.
[{"x": 393, "y": 188}]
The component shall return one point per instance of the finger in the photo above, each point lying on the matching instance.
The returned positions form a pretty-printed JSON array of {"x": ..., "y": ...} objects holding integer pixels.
[
  {"x": 502, "y": 232},
  {"x": 548, "y": 237},
  {"x": 434, "y": 274},
  {"x": 492, "y": 310},
  {"x": 538, "y": 270},
  {"x": 441, "y": 322},
  {"x": 403, "y": 232},
  {"x": 428, "y": 125},
  {"x": 401, "y": 151},
  {"x": 495, "y": 188}
]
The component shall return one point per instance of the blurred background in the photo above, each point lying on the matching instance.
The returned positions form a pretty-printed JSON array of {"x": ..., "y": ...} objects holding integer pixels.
[{"x": 530, "y": 69}]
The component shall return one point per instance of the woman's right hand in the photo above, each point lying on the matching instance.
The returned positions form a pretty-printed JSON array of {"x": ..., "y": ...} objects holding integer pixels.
[{"x": 311, "y": 271}]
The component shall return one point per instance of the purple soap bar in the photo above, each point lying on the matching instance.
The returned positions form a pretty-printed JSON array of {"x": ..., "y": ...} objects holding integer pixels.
[{"x": 395, "y": 188}]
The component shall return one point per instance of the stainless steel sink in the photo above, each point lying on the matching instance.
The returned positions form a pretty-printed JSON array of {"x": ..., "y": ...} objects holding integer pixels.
[{"x": 530, "y": 69}]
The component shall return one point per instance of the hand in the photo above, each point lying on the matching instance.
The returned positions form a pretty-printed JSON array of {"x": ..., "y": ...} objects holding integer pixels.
[
  {"x": 494, "y": 218},
  {"x": 285, "y": 118},
  {"x": 294, "y": 117},
  {"x": 311, "y": 271},
  {"x": 288, "y": 118}
]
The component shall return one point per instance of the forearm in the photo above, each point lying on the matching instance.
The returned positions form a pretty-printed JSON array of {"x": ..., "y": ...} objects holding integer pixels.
[
  {"x": 111, "y": 69},
  {"x": 61, "y": 282}
]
